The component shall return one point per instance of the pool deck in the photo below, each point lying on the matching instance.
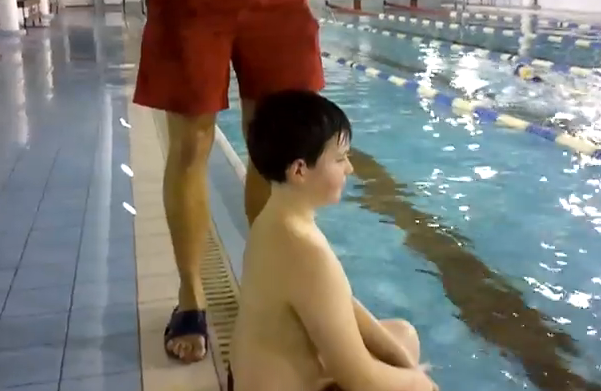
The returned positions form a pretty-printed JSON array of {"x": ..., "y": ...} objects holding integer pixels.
[{"x": 87, "y": 276}]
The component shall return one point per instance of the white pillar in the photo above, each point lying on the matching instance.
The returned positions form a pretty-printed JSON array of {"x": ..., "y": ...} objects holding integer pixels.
[
  {"x": 46, "y": 66},
  {"x": 44, "y": 7},
  {"x": 9, "y": 16},
  {"x": 12, "y": 70},
  {"x": 525, "y": 41}
]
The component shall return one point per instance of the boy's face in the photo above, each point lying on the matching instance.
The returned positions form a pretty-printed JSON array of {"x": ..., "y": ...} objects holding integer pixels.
[{"x": 324, "y": 182}]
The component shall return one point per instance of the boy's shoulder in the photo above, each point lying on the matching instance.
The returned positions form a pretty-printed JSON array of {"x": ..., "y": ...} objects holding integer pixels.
[
  {"x": 301, "y": 244},
  {"x": 303, "y": 239},
  {"x": 311, "y": 254}
]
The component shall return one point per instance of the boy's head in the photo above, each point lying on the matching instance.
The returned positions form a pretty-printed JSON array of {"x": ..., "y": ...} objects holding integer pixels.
[
  {"x": 301, "y": 140},
  {"x": 524, "y": 72}
]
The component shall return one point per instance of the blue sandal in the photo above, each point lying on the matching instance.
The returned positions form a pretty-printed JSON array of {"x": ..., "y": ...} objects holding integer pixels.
[{"x": 182, "y": 323}]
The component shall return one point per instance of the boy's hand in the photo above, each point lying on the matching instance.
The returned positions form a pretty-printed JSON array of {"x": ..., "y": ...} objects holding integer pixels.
[
  {"x": 427, "y": 384},
  {"x": 425, "y": 366}
]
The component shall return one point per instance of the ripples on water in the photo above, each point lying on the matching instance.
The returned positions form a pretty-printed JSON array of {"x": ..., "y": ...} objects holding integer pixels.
[
  {"x": 564, "y": 98},
  {"x": 505, "y": 222}
]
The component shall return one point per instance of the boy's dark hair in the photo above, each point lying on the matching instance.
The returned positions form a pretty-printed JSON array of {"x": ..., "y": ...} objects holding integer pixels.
[{"x": 291, "y": 125}]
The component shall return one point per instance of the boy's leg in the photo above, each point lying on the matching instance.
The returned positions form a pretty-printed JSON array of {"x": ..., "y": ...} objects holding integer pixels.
[
  {"x": 405, "y": 334},
  {"x": 276, "y": 48},
  {"x": 184, "y": 70}
]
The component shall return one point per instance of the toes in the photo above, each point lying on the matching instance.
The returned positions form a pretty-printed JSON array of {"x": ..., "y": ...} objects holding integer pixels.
[
  {"x": 188, "y": 350},
  {"x": 200, "y": 349}
]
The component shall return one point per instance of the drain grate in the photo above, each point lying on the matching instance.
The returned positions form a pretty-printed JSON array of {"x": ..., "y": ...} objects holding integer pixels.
[{"x": 221, "y": 293}]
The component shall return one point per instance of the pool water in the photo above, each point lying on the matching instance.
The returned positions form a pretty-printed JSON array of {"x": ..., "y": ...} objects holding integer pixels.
[
  {"x": 483, "y": 237},
  {"x": 458, "y": 73}
]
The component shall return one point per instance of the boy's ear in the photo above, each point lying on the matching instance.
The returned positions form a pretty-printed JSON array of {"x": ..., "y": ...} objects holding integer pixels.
[{"x": 297, "y": 171}]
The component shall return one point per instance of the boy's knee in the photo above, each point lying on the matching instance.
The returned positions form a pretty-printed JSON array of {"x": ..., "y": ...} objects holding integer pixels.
[{"x": 402, "y": 327}]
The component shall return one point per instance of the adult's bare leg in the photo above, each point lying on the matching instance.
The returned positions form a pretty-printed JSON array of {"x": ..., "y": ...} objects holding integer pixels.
[
  {"x": 186, "y": 200},
  {"x": 256, "y": 189}
]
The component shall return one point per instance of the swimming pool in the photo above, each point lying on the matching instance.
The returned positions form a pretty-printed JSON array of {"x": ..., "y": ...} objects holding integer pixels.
[
  {"x": 449, "y": 69},
  {"x": 482, "y": 237}
]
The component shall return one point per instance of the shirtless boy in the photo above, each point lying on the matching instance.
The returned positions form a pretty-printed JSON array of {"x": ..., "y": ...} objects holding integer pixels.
[{"x": 299, "y": 328}]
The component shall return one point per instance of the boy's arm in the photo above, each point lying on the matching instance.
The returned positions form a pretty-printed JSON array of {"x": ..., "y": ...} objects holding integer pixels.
[
  {"x": 321, "y": 296},
  {"x": 379, "y": 341}
]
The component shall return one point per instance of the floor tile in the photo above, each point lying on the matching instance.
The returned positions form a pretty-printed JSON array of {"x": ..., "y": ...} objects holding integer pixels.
[
  {"x": 149, "y": 227},
  {"x": 35, "y": 330},
  {"x": 27, "y": 181},
  {"x": 114, "y": 220},
  {"x": 76, "y": 176},
  {"x": 154, "y": 315},
  {"x": 158, "y": 264},
  {"x": 3, "y": 295},
  {"x": 60, "y": 179},
  {"x": 12, "y": 245},
  {"x": 159, "y": 287},
  {"x": 104, "y": 294},
  {"x": 63, "y": 200},
  {"x": 21, "y": 201},
  {"x": 12, "y": 206},
  {"x": 31, "y": 365},
  {"x": 52, "y": 245},
  {"x": 6, "y": 277},
  {"x": 21, "y": 222},
  {"x": 128, "y": 381},
  {"x": 98, "y": 356},
  {"x": 59, "y": 218},
  {"x": 153, "y": 246},
  {"x": 34, "y": 387},
  {"x": 160, "y": 373},
  {"x": 103, "y": 248},
  {"x": 38, "y": 301},
  {"x": 95, "y": 322},
  {"x": 107, "y": 271},
  {"x": 45, "y": 276}
]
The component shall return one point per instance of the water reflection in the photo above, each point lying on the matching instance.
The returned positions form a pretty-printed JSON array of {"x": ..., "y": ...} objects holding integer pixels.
[
  {"x": 47, "y": 67},
  {"x": 489, "y": 305},
  {"x": 13, "y": 74}
]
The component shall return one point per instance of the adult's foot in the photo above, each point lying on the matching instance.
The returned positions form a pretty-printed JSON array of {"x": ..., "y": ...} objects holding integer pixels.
[{"x": 186, "y": 335}]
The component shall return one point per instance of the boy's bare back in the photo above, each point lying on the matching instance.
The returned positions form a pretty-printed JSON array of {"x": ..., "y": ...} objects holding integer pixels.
[{"x": 270, "y": 339}]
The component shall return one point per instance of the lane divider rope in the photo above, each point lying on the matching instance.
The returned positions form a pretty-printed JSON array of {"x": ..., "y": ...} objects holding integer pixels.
[
  {"x": 547, "y": 22},
  {"x": 482, "y": 53},
  {"x": 580, "y": 42},
  {"x": 485, "y": 114}
]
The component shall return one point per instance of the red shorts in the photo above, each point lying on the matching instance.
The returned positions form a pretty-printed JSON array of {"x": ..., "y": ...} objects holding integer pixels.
[{"x": 187, "y": 46}]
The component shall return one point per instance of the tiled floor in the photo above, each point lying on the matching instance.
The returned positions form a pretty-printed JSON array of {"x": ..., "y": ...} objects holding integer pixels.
[{"x": 87, "y": 278}]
